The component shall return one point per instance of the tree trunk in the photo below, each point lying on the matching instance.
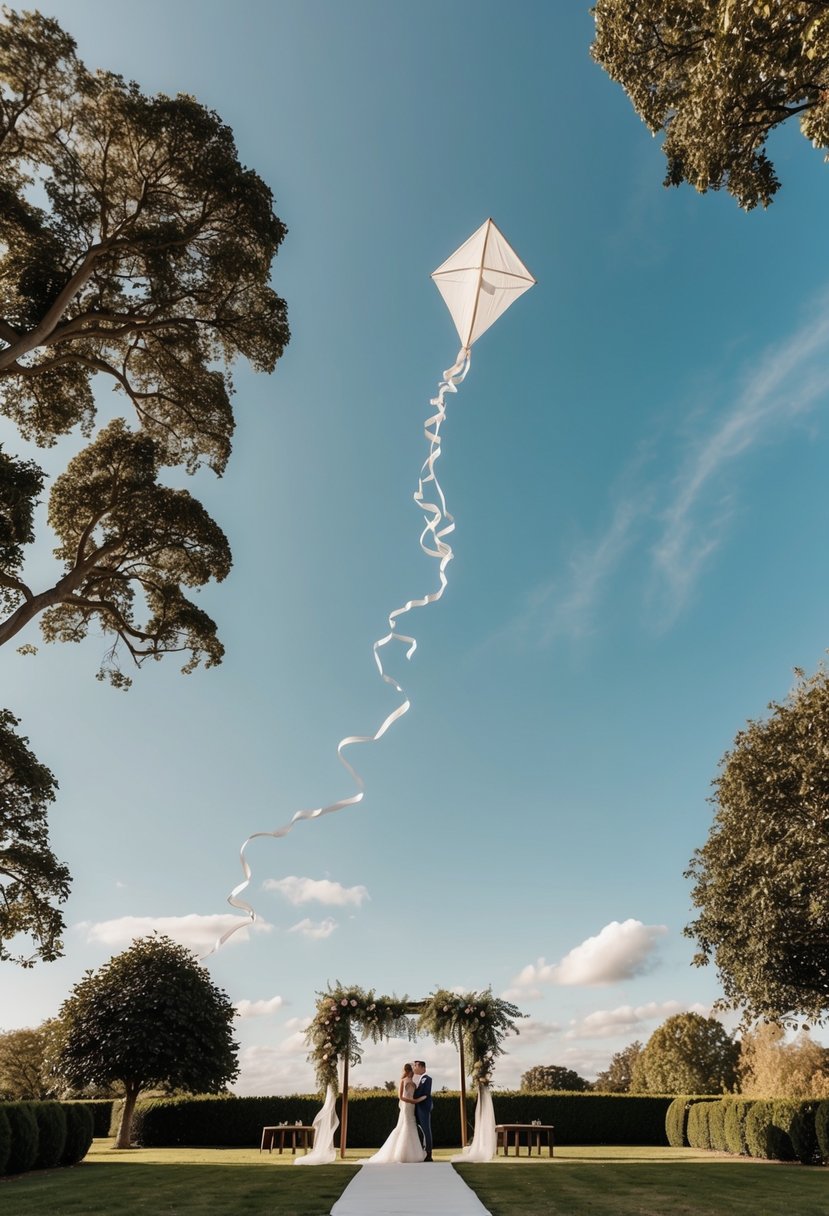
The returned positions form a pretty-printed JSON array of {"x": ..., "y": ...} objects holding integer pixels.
[{"x": 123, "y": 1139}]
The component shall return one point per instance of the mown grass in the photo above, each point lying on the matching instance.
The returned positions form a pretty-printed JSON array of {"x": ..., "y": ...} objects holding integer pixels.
[{"x": 594, "y": 1181}]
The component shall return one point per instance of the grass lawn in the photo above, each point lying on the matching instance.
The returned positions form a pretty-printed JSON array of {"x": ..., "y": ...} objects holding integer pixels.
[{"x": 576, "y": 1182}]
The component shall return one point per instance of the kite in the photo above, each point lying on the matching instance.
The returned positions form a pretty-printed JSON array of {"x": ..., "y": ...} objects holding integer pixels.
[{"x": 478, "y": 282}]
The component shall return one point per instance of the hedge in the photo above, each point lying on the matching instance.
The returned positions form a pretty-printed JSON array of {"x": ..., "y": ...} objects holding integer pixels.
[
  {"x": 237, "y": 1122},
  {"x": 736, "y": 1113},
  {"x": 23, "y": 1148},
  {"x": 796, "y": 1120},
  {"x": 764, "y": 1137},
  {"x": 716, "y": 1125},
  {"x": 698, "y": 1129},
  {"x": 5, "y": 1140},
  {"x": 822, "y": 1129},
  {"x": 676, "y": 1118},
  {"x": 79, "y": 1132},
  {"x": 101, "y": 1111},
  {"x": 51, "y": 1134}
]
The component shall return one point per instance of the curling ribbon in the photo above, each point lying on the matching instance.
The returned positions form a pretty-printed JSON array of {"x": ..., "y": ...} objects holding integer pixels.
[{"x": 438, "y": 525}]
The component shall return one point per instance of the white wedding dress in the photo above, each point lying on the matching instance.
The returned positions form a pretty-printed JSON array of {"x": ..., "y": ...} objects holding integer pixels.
[{"x": 403, "y": 1145}]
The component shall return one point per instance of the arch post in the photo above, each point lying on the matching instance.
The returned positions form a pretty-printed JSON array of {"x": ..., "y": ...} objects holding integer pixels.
[
  {"x": 344, "y": 1109},
  {"x": 463, "y": 1091}
]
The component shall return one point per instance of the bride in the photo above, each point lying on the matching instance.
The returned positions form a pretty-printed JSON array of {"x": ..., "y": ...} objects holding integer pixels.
[{"x": 403, "y": 1145}]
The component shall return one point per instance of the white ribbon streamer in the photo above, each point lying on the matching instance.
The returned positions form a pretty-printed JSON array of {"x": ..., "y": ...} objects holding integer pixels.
[{"x": 439, "y": 524}]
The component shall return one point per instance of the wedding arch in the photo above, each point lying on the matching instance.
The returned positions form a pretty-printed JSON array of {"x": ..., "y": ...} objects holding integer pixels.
[{"x": 476, "y": 1022}]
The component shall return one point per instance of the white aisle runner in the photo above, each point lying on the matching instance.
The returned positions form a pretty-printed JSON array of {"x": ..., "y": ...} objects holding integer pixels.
[{"x": 432, "y": 1188}]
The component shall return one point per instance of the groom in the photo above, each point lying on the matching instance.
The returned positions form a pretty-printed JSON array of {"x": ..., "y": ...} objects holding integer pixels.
[{"x": 423, "y": 1106}]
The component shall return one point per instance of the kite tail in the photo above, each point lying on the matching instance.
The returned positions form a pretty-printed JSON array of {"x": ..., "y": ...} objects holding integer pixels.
[{"x": 439, "y": 524}]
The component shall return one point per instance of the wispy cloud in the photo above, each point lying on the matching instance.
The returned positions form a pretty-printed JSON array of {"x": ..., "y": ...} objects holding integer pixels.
[
  {"x": 784, "y": 384},
  {"x": 627, "y": 1019},
  {"x": 317, "y": 890},
  {"x": 259, "y": 1009},
  {"x": 620, "y": 951},
  {"x": 197, "y": 932},
  {"x": 315, "y": 930}
]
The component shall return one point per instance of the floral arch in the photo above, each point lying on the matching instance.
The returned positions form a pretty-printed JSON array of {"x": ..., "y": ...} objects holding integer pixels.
[{"x": 476, "y": 1022}]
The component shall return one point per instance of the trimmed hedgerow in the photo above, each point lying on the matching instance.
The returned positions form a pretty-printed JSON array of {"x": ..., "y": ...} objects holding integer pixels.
[
  {"x": 23, "y": 1148},
  {"x": 79, "y": 1132},
  {"x": 101, "y": 1111},
  {"x": 764, "y": 1136},
  {"x": 736, "y": 1114},
  {"x": 697, "y": 1128},
  {"x": 822, "y": 1130},
  {"x": 676, "y": 1119},
  {"x": 229, "y": 1121},
  {"x": 796, "y": 1120},
  {"x": 51, "y": 1134},
  {"x": 5, "y": 1140},
  {"x": 716, "y": 1125}
]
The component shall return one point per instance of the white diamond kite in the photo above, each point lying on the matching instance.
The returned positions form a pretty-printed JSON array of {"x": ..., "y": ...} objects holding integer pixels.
[{"x": 480, "y": 281}]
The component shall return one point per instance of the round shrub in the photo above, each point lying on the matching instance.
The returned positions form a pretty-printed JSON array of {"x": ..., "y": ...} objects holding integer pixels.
[
  {"x": 796, "y": 1120},
  {"x": 23, "y": 1149},
  {"x": 822, "y": 1130},
  {"x": 765, "y": 1138},
  {"x": 716, "y": 1125},
  {"x": 697, "y": 1130},
  {"x": 51, "y": 1134},
  {"x": 736, "y": 1112},
  {"x": 79, "y": 1129},
  {"x": 5, "y": 1140},
  {"x": 676, "y": 1118}
]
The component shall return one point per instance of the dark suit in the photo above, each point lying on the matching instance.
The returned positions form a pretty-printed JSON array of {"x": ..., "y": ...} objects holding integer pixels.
[{"x": 423, "y": 1111}]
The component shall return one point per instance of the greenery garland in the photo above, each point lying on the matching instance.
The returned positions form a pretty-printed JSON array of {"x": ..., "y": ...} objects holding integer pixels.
[
  {"x": 479, "y": 1020},
  {"x": 341, "y": 1013},
  {"x": 346, "y": 1015}
]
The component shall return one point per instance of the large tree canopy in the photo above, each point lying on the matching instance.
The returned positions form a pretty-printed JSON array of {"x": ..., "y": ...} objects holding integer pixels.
[
  {"x": 687, "y": 1054},
  {"x": 149, "y": 1017},
  {"x": 762, "y": 877},
  {"x": 717, "y": 76},
  {"x": 32, "y": 880}
]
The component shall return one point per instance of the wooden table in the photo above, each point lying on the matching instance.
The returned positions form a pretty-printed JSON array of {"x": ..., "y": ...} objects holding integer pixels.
[
  {"x": 534, "y": 1133},
  {"x": 296, "y": 1130}
]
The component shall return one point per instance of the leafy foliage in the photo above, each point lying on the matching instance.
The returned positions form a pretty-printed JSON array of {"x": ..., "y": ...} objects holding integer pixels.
[
  {"x": 687, "y": 1054},
  {"x": 23, "y": 1146},
  {"x": 735, "y": 1125},
  {"x": 344, "y": 1013},
  {"x": 151, "y": 1016},
  {"x": 79, "y": 1132},
  {"x": 24, "y": 1069},
  {"x": 762, "y": 877},
  {"x": 51, "y": 1134},
  {"x": 479, "y": 1020},
  {"x": 718, "y": 76},
  {"x": 32, "y": 880},
  {"x": 618, "y": 1076},
  {"x": 772, "y": 1068},
  {"x": 551, "y": 1077}
]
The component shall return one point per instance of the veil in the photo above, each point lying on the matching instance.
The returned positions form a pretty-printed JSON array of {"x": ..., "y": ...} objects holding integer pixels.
[
  {"x": 325, "y": 1124},
  {"x": 485, "y": 1139}
]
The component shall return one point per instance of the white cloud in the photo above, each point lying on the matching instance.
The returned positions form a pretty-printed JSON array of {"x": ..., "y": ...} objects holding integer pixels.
[
  {"x": 317, "y": 890},
  {"x": 619, "y": 952},
  {"x": 627, "y": 1019},
  {"x": 316, "y": 930},
  {"x": 259, "y": 1009},
  {"x": 197, "y": 932},
  {"x": 789, "y": 381}
]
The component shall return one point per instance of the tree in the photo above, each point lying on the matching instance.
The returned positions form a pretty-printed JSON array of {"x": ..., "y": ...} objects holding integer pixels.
[
  {"x": 552, "y": 1076},
  {"x": 762, "y": 877},
  {"x": 24, "y": 1069},
  {"x": 772, "y": 1068},
  {"x": 149, "y": 1017},
  {"x": 617, "y": 1077},
  {"x": 687, "y": 1054},
  {"x": 135, "y": 251},
  {"x": 718, "y": 76},
  {"x": 31, "y": 877}
]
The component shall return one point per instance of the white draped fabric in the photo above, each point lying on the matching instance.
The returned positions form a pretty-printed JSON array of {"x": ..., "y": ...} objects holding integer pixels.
[
  {"x": 485, "y": 1139},
  {"x": 325, "y": 1124}
]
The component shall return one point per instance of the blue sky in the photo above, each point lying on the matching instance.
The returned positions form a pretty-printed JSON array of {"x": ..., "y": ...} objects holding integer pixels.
[{"x": 636, "y": 467}]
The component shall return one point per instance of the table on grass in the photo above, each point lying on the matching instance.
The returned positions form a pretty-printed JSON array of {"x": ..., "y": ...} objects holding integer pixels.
[
  {"x": 299, "y": 1133},
  {"x": 535, "y": 1132}
]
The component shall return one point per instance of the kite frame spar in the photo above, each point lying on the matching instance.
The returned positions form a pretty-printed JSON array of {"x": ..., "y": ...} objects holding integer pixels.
[{"x": 507, "y": 279}]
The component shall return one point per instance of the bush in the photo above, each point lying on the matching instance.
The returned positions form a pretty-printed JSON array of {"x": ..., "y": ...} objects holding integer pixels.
[
  {"x": 822, "y": 1130},
  {"x": 51, "y": 1137},
  {"x": 796, "y": 1121},
  {"x": 676, "y": 1119},
  {"x": 23, "y": 1148},
  {"x": 5, "y": 1140},
  {"x": 238, "y": 1122},
  {"x": 716, "y": 1125},
  {"x": 79, "y": 1130},
  {"x": 735, "y": 1125},
  {"x": 765, "y": 1137},
  {"x": 697, "y": 1128},
  {"x": 101, "y": 1111}
]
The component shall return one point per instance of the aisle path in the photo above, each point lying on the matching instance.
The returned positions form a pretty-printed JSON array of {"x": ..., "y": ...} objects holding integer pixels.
[{"x": 408, "y": 1190}]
